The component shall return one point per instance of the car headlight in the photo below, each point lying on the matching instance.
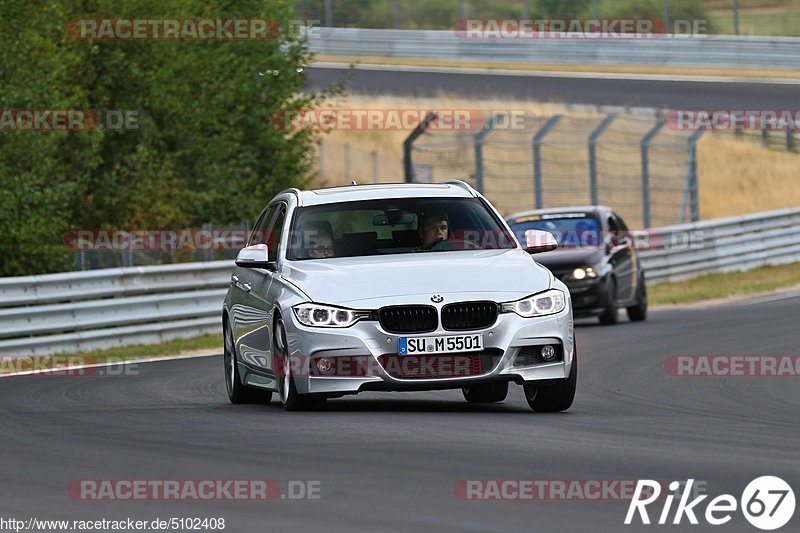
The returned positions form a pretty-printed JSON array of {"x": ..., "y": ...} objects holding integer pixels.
[
  {"x": 583, "y": 273},
  {"x": 544, "y": 303},
  {"x": 327, "y": 316}
]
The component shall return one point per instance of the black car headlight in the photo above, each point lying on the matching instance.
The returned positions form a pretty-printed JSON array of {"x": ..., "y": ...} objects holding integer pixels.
[
  {"x": 545, "y": 303},
  {"x": 327, "y": 316},
  {"x": 582, "y": 273}
]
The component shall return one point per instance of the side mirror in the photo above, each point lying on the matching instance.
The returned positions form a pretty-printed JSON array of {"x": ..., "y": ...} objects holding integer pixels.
[
  {"x": 537, "y": 241},
  {"x": 255, "y": 256}
]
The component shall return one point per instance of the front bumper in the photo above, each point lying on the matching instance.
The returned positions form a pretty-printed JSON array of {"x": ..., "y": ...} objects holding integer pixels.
[
  {"x": 505, "y": 338},
  {"x": 589, "y": 297}
]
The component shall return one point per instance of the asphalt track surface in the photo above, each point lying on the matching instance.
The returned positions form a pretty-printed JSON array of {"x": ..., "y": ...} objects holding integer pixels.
[
  {"x": 390, "y": 461},
  {"x": 679, "y": 94}
]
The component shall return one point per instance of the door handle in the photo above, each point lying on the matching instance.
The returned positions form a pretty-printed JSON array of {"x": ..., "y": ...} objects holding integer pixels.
[
  {"x": 234, "y": 279},
  {"x": 246, "y": 287}
]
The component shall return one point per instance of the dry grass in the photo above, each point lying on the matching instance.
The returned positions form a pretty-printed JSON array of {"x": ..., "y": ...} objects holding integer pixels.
[
  {"x": 568, "y": 67},
  {"x": 739, "y": 177}
]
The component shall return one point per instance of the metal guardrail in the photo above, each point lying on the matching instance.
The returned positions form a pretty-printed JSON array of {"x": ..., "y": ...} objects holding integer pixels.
[
  {"x": 81, "y": 311},
  {"x": 678, "y": 50},
  {"x": 722, "y": 245}
]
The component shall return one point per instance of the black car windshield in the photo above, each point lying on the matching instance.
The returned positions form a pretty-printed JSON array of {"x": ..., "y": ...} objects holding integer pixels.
[
  {"x": 571, "y": 230},
  {"x": 395, "y": 226}
]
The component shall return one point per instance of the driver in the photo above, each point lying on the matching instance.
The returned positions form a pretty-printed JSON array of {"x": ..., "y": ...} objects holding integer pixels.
[{"x": 434, "y": 227}]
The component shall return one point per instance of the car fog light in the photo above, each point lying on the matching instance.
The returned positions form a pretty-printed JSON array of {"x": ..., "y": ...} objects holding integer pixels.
[
  {"x": 324, "y": 364},
  {"x": 548, "y": 353}
]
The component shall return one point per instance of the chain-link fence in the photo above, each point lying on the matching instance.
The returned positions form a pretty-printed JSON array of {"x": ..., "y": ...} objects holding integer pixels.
[
  {"x": 647, "y": 172},
  {"x": 340, "y": 163}
]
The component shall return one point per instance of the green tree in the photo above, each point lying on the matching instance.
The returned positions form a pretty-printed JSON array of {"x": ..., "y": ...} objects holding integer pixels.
[{"x": 206, "y": 149}]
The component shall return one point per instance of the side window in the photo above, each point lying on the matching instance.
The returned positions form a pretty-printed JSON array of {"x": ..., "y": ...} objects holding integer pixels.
[
  {"x": 624, "y": 234},
  {"x": 273, "y": 235},
  {"x": 613, "y": 231},
  {"x": 260, "y": 231}
]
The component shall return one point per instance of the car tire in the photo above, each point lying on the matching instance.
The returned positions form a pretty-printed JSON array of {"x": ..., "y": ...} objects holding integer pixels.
[
  {"x": 486, "y": 392},
  {"x": 287, "y": 391},
  {"x": 554, "y": 398},
  {"x": 610, "y": 314},
  {"x": 638, "y": 312},
  {"x": 237, "y": 392}
]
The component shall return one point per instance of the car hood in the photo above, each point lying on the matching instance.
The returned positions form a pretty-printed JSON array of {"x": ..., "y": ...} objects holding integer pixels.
[
  {"x": 499, "y": 275},
  {"x": 566, "y": 258}
]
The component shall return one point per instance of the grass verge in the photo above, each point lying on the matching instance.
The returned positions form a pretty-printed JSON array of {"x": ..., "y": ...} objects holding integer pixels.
[
  {"x": 715, "y": 286},
  {"x": 775, "y": 21},
  {"x": 205, "y": 343}
]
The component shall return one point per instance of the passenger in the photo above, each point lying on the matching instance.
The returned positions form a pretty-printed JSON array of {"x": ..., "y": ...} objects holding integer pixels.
[{"x": 318, "y": 240}]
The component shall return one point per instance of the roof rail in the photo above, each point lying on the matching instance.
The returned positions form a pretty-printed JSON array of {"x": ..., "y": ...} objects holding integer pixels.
[
  {"x": 296, "y": 192},
  {"x": 463, "y": 184}
]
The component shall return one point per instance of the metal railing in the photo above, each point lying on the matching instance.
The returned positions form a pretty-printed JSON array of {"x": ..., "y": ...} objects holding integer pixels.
[
  {"x": 722, "y": 245},
  {"x": 81, "y": 311},
  {"x": 677, "y": 50}
]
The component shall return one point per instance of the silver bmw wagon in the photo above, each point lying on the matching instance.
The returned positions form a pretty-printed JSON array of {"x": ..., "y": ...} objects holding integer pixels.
[{"x": 395, "y": 287}]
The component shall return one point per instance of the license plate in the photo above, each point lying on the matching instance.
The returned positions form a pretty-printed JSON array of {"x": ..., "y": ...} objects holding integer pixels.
[{"x": 444, "y": 344}]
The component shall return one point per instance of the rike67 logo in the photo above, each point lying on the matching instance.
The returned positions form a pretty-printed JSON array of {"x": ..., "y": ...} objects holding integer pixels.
[{"x": 767, "y": 503}]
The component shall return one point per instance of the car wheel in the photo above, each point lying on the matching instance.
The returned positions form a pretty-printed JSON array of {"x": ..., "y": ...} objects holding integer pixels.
[
  {"x": 486, "y": 392},
  {"x": 290, "y": 398},
  {"x": 610, "y": 314},
  {"x": 238, "y": 393},
  {"x": 554, "y": 398},
  {"x": 638, "y": 312}
]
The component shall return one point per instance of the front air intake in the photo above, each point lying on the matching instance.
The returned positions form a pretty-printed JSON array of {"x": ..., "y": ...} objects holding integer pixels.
[{"x": 408, "y": 318}]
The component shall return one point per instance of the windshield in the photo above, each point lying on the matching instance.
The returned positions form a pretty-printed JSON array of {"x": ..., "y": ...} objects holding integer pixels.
[
  {"x": 571, "y": 230},
  {"x": 395, "y": 226}
]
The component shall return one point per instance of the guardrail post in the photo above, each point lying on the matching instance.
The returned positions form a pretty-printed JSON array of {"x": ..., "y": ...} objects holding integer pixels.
[
  {"x": 764, "y": 137},
  {"x": 374, "y": 166},
  {"x": 537, "y": 158},
  {"x": 690, "y": 185},
  {"x": 596, "y": 133},
  {"x": 645, "y": 150},
  {"x": 328, "y": 13},
  {"x": 789, "y": 139},
  {"x": 479, "y": 137},
  {"x": 408, "y": 144}
]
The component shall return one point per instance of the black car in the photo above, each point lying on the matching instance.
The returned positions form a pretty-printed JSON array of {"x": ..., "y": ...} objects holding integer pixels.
[{"x": 595, "y": 259}]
